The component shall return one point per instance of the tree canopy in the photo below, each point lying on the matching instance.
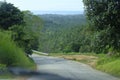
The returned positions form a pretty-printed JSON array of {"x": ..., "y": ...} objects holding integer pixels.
[
  {"x": 10, "y": 15},
  {"x": 104, "y": 15}
]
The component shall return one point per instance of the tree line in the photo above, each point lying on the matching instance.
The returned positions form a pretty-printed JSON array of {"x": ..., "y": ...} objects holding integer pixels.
[
  {"x": 104, "y": 17},
  {"x": 100, "y": 33},
  {"x": 57, "y": 30}
]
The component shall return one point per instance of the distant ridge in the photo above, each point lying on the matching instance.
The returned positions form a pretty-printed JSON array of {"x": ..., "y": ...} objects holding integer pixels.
[{"x": 58, "y": 12}]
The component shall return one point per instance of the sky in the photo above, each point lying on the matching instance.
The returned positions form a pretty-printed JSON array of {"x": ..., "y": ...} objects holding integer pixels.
[{"x": 48, "y": 5}]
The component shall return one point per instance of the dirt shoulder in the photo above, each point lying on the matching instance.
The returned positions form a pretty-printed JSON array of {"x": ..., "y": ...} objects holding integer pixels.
[{"x": 87, "y": 59}]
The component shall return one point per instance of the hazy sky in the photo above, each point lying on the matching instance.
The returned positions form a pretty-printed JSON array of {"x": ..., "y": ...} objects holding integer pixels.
[{"x": 47, "y": 5}]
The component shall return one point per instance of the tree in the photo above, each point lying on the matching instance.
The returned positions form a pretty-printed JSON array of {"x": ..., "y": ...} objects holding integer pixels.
[
  {"x": 27, "y": 36},
  {"x": 104, "y": 14},
  {"x": 10, "y": 15}
]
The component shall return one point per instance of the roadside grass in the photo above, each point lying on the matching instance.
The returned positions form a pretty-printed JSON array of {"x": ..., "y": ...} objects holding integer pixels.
[
  {"x": 103, "y": 62},
  {"x": 7, "y": 76},
  {"x": 109, "y": 65},
  {"x": 4, "y": 74},
  {"x": 11, "y": 55}
]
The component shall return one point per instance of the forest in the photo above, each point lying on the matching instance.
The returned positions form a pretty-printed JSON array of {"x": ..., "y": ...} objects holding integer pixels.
[
  {"x": 75, "y": 33},
  {"x": 58, "y": 32}
]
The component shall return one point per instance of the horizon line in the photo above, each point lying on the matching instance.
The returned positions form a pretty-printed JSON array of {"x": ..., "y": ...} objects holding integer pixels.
[{"x": 58, "y": 12}]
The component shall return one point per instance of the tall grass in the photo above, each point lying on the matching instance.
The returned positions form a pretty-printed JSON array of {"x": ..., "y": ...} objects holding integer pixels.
[
  {"x": 109, "y": 64},
  {"x": 10, "y": 54}
]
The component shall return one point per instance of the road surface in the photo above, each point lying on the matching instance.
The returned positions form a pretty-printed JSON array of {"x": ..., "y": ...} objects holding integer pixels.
[{"x": 52, "y": 68}]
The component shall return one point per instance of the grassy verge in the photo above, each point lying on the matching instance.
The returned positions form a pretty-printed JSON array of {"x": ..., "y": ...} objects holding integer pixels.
[
  {"x": 109, "y": 64},
  {"x": 4, "y": 74},
  {"x": 12, "y": 55},
  {"x": 101, "y": 62}
]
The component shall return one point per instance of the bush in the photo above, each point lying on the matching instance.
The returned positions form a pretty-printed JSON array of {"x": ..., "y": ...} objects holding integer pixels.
[
  {"x": 109, "y": 64},
  {"x": 112, "y": 67},
  {"x": 10, "y": 54},
  {"x": 2, "y": 68}
]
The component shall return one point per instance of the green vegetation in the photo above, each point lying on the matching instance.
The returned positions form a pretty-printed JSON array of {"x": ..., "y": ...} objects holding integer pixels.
[
  {"x": 104, "y": 17},
  {"x": 9, "y": 16},
  {"x": 109, "y": 64},
  {"x": 98, "y": 34},
  {"x": 27, "y": 36},
  {"x": 10, "y": 54},
  {"x": 18, "y": 36},
  {"x": 25, "y": 26},
  {"x": 105, "y": 20},
  {"x": 66, "y": 34},
  {"x": 5, "y": 75},
  {"x": 59, "y": 32}
]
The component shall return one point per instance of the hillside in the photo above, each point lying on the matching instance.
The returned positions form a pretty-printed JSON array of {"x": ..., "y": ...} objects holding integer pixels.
[
  {"x": 55, "y": 30},
  {"x": 56, "y": 22}
]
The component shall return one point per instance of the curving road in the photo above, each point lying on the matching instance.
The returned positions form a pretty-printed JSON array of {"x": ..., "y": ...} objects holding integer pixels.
[{"x": 52, "y": 68}]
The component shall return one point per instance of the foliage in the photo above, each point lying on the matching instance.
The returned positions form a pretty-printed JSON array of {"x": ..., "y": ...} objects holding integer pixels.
[
  {"x": 27, "y": 36},
  {"x": 10, "y": 54},
  {"x": 2, "y": 68},
  {"x": 59, "y": 33},
  {"x": 109, "y": 64},
  {"x": 56, "y": 22},
  {"x": 10, "y": 15},
  {"x": 25, "y": 26},
  {"x": 104, "y": 15},
  {"x": 17, "y": 31}
]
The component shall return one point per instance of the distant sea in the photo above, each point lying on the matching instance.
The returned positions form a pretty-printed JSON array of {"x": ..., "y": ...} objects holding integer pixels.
[{"x": 58, "y": 12}]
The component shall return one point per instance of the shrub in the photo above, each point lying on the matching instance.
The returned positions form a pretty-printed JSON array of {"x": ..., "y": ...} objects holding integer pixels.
[{"x": 10, "y": 54}]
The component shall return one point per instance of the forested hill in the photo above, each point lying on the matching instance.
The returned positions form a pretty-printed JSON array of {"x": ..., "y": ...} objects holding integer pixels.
[
  {"x": 57, "y": 31},
  {"x": 56, "y": 22}
]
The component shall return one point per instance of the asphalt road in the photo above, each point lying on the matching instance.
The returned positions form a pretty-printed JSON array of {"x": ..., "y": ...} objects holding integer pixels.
[{"x": 52, "y": 68}]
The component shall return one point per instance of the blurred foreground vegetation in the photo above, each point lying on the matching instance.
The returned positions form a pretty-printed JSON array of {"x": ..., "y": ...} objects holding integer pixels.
[
  {"x": 19, "y": 32},
  {"x": 10, "y": 54}
]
